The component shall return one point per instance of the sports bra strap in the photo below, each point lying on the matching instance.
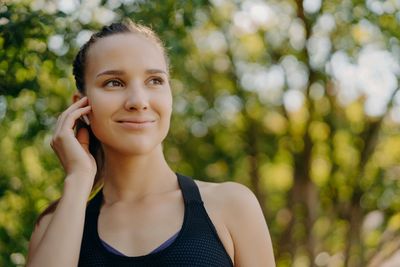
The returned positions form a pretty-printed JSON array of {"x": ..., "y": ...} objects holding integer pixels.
[{"x": 190, "y": 190}]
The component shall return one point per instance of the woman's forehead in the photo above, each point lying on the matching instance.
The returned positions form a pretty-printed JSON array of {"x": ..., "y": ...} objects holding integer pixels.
[{"x": 124, "y": 51}]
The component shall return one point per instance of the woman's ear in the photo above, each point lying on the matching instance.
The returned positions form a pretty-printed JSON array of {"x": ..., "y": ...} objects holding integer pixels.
[{"x": 76, "y": 96}]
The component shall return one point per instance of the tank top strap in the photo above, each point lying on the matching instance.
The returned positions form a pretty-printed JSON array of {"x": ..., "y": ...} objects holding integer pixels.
[{"x": 190, "y": 190}]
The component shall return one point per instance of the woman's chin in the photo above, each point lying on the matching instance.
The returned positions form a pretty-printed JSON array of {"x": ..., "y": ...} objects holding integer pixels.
[{"x": 134, "y": 149}]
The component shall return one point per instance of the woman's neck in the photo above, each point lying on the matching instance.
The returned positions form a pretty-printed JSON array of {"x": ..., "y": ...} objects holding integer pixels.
[{"x": 131, "y": 178}]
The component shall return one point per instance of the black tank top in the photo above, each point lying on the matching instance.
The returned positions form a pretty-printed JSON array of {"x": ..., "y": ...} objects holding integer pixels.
[{"x": 197, "y": 243}]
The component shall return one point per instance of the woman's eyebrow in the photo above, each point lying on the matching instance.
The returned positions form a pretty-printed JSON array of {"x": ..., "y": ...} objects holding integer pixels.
[
  {"x": 154, "y": 71},
  {"x": 111, "y": 72},
  {"x": 121, "y": 72}
]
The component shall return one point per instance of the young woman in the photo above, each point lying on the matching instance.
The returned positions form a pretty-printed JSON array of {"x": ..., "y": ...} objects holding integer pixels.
[{"x": 142, "y": 212}]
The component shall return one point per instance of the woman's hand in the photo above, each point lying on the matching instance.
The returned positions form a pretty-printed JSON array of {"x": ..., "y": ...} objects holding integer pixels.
[{"x": 73, "y": 151}]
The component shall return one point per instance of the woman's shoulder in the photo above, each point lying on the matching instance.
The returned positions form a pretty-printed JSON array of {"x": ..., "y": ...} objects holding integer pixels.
[
  {"x": 225, "y": 192},
  {"x": 38, "y": 233},
  {"x": 229, "y": 199},
  {"x": 239, "y": 211}
]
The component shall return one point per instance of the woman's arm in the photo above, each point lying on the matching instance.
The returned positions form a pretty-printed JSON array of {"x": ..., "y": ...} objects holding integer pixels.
[
  {"x": 56, "y": 240},
  {"x": 247, "y": 226}
]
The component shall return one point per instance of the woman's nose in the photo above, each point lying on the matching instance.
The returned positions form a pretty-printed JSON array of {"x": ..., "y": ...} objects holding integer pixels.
[{"x": 137, "y": 98}]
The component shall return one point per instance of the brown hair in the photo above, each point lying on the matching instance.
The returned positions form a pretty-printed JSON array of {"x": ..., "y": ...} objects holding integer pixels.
[{"x": 79, "y": 64}]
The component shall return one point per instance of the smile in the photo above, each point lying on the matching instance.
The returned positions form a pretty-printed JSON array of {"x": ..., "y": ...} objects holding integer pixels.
[{"x": 136, "y": 125}]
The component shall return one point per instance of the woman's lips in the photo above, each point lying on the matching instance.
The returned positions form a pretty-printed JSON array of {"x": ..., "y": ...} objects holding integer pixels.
[{"x": 136, "y": 125}]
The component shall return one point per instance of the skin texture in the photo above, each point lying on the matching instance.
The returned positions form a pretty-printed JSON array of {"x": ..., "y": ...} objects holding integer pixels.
[
  {"x": 140, "y": 93},
  {"x": 129, "y": 111}
]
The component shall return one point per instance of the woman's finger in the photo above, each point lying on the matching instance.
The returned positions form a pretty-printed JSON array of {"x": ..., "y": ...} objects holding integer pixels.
[
  {"x": 77, "y": 104},
  {"x": 70, "y": 119},
  {"x": 83, "y": 138},
  {"x": 60, "y": 121}
]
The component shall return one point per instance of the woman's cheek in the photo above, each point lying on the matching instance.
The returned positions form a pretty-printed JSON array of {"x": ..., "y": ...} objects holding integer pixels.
[{"x": 98, "y": 119}]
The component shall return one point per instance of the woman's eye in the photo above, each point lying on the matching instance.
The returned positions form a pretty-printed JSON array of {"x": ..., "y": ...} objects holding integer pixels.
[
  {"x": 156, "y": 81},
  {"x": 113, "y": 83}
]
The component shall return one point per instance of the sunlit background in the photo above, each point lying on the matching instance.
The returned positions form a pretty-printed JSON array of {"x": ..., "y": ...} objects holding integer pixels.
[{"x": 298, "y": 100}]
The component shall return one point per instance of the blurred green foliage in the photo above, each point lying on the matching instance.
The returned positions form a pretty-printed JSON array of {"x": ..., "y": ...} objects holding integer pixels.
[{"x": 281, "y": 96}]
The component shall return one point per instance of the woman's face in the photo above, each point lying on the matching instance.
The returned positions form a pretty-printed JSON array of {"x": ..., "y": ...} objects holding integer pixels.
[{"x": 127, "y": 85}]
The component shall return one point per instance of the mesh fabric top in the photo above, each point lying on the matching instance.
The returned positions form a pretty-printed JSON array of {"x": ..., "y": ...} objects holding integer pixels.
[{"x": 197, "y": 243}]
